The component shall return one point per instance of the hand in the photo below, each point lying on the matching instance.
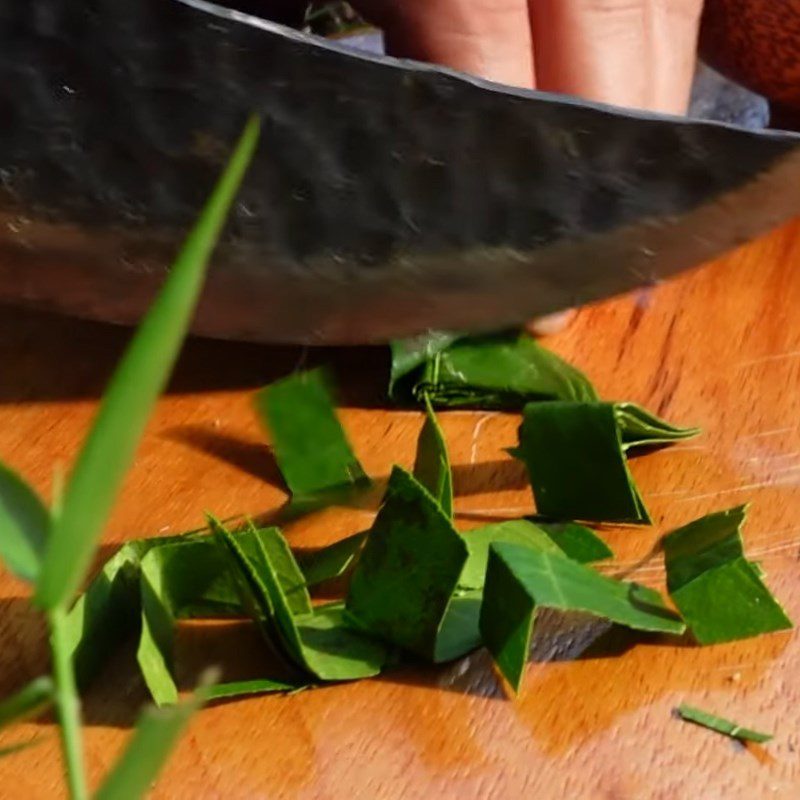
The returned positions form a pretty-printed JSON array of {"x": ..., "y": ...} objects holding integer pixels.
[{"x": 636, "y": 53}]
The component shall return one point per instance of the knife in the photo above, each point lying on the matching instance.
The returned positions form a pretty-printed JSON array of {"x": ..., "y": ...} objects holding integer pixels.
[{"x": 388, "y": 197}]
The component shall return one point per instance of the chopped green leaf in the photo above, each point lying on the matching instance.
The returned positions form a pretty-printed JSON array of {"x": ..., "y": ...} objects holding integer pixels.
[
  {"x": 459, "y": 633},
  {"x": 576, "y": 465},
  {"x": 502, "y": 371},
  {"x": 721, "y": 725},
  {"x": 138, "y": 380},
  {"x": 28, "y": 702},
  {"x": 408, "y": 355},
  {"x": 319, "y": 642},
  {"x": 517, "y": 531},
  {"x": 332, "y": 561},
  {"x": 520, "y": 580},
  {"x": 717, "y": 590},
  {"x": 156, "y": 735},
  {"x": 432, "y": 464},
  {"x": 409, "y": 568},
  {"x": 578, "y": 542},
  {"x": 310, "y": 445},
  {"x": 24, "y": 526},
  {"x": 226, "y": 691},
  {"x": 640, "y": 428}
]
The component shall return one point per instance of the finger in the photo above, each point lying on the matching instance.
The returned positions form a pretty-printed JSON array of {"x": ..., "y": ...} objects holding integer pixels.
[
  {"x": 552, "y": 323},
  {"x": 636, "y": 53},
  {"x": 489, "y": 38}
]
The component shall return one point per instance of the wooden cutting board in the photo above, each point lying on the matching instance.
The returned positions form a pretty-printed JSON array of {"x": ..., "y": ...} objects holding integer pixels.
[{"x": 719, "y": 348}]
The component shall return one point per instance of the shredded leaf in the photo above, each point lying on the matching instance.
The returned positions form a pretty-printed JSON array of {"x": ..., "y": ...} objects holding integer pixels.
[
  {"x": 408, "y": 355},
  {"x": 499, "y": 371},
  {"x": 24, "y": 526},
  {"x": 719, "y": 593},
  {"x": 432, "y": 463},
  {"x": 640, "y": 428},
  {"x": 332, "y": 561},
  {"x": 520, "y": 580},
  {"x": 318, "y": 642},
  {"x": 28, "y": 702},
  {"x": 310, "y": 445},
  {"x": 227, "y": 691},
  {"x": 721, "y": 725},
  {"x": 409, "y": 568},
  {"x": 578, "y": 542}
]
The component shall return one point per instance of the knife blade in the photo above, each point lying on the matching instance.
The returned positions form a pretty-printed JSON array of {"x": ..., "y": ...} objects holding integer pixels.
[{"x": 388, "y": 197}]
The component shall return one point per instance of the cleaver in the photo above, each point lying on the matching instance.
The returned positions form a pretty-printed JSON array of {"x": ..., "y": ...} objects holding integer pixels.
[{"x": 387, "y": 198}]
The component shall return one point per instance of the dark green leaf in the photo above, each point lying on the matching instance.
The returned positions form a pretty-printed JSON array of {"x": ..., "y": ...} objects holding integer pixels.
[
  {"x": 459, "y": 633},
  {"x": 578, "y": 542},
  {"x": 577, "y": 468},
  {"x": 320, "y": 642},
  {"x": 226, "y": 691},
  {"x": 721, "y": 725},
  {"x": 408, "y": 355},
  {"x": 520, "y": 580},
  {"x": 517, "y": 531},
  {"x": 502, "y": 371},
  {"x": 640, "y": 428},
  {"x": 156, "y": 735},
  {"x": 310, "y": 445},
  {"x": 432, "y": 464},
  {"x": 332, "y": 561},
  {"x": 408, "y": 569},
  {"x": 717, "y": 590},
  {"x": 28, "y": 702},
  {"x": 24, "y": 526},
  {"x": 138, "y": 380}
]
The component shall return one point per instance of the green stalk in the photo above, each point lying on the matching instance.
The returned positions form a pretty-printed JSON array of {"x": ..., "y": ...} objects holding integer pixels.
[{"x": 67, "y": 705}]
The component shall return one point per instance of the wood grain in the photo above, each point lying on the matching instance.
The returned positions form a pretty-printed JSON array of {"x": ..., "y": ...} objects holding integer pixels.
[{"x": 719, "y": 347}]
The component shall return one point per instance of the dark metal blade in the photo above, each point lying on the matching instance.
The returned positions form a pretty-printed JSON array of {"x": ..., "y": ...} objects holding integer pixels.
[{"x": 387, "y": 197}]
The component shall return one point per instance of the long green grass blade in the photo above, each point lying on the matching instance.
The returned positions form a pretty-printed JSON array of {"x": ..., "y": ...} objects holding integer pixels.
[
  {"x": 137, "y": 382},
  {"x": 24, "y": 526},
  {"x": 156, "y": 735},
  {"x": 28, "y": 702}
]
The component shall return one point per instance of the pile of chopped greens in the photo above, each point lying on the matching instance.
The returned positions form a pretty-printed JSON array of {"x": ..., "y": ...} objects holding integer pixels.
[{"x": 418, "y": 586}]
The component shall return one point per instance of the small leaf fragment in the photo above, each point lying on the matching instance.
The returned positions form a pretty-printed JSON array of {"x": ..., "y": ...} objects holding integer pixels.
[
  {"x": 578, "y": 542},
  {"x": 24, "y": 526},
  {"x": 521, "y": 580},
  {"x": 719, "y": 593},
  {"x": 576, "y": 464},
  {"x": 139, "y": 378},
  {"x": 499, "y": 371},
  {"x": 432, "y": 463},
  {"x": 157, "y": 732},
  {"x": 332, "y": 561},
  {"x": 28, "y": 702},
  {"x": 310, "y": 446},
  {"x": 227, "y": 691},
  {"x": 721, "y": 725},
  {"x": 408, "y": 355},
  {"x": 409, "y": 568},
  {"x": 639, "y": 428}
]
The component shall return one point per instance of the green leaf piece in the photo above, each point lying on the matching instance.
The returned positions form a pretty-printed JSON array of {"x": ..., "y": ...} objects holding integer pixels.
[
  {"x": 409, "y": 568},
  {"x": 576, "y": 464},
  {"x": 157, "y": 732},
  {"x": 331, "y": 562},
  {"x": 319, "y": 642},
  {"x": 408, "y": 355},
  {"x": 719, "y": 593},
  {"x": 500, "y": 371},
  {"x": 520, "y": 580},
  {"x": 577, "y": 542},
  {"x": 227, "y": 691},
  {"x": 310, "y": 445},
  {"x": 28, "y": 702},
  {"x": 640, "y": 428},
  {"x": 518, "y": 531},
  {"x": 11, "y": 749},
  {"x": 137, "y": 382},
  {"x": 24, "y": 526},
  {"x": 721, "y": 725},
  {"x": 432, "y": 463}
]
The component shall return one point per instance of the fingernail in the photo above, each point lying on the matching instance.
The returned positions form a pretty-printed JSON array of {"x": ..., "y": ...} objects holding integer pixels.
[{"x": 552, "y": 323}]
